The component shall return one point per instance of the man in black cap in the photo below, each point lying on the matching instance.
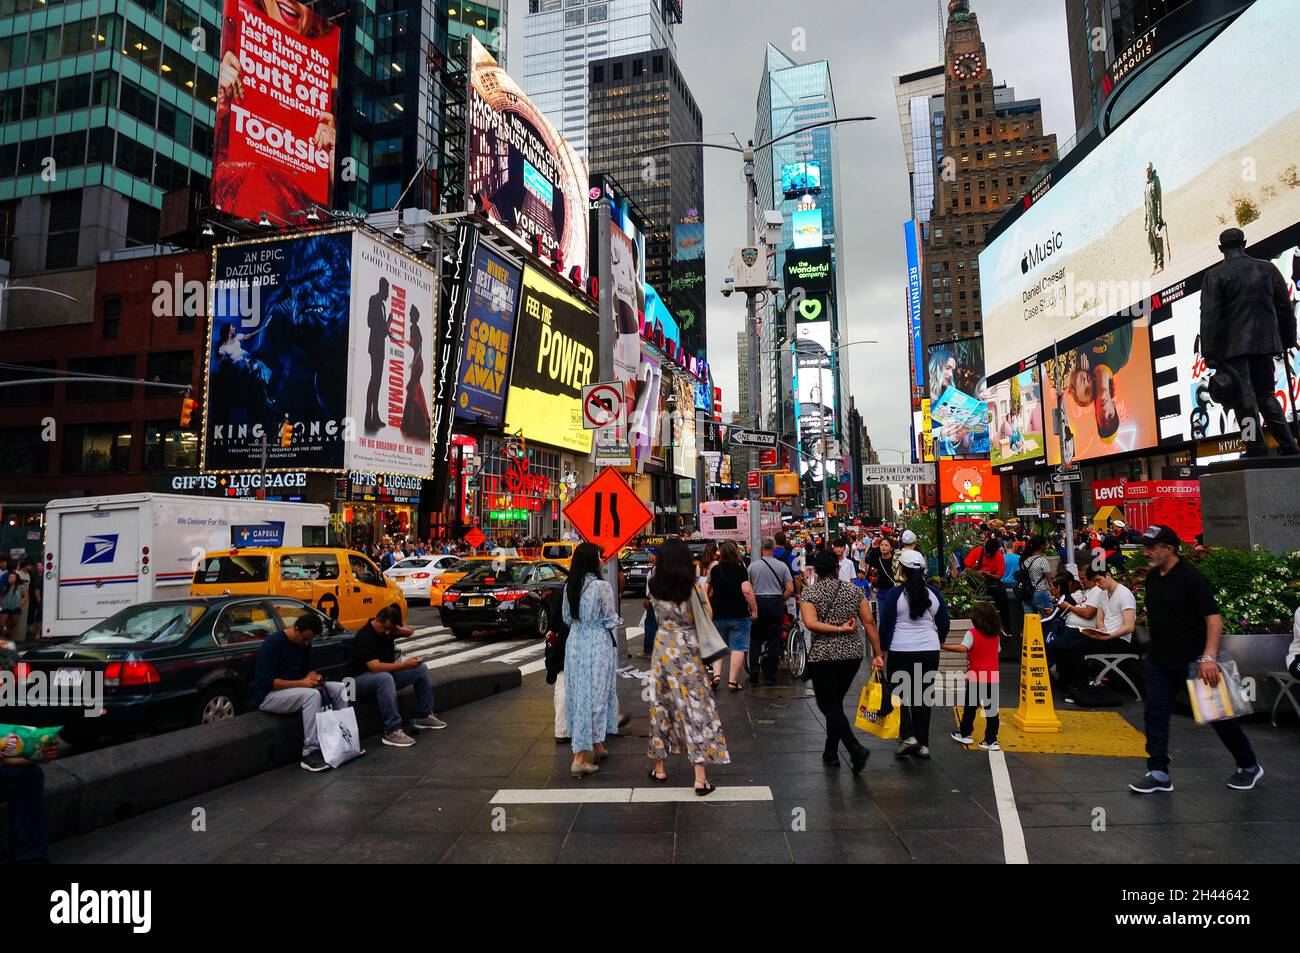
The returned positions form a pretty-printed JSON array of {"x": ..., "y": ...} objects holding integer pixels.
[
  {"x": 1247, "y": 319},
  {"x": 1185, "y": 632}
]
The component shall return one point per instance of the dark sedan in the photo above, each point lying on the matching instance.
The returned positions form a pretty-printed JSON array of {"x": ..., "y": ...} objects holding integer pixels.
[
  {"x": 636, "y": 572},
  {"x": 502, "y": 598},
  {"x": 162, "y": 665}
]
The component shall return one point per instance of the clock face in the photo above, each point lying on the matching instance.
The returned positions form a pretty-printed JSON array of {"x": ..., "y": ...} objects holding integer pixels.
[{"x": 968, "y": 65}]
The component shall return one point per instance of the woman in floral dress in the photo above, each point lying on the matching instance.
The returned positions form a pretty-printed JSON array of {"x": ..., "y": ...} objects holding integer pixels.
[
  {"x": 590, "y": 669},
  {"x": 683, "y": 718}
]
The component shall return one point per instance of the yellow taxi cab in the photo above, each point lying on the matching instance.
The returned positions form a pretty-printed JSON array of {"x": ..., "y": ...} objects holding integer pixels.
[
  {"x": 342, "y": 583},
  {"x": 559, "y": 552},
  {"x": 453, "y": 573}
]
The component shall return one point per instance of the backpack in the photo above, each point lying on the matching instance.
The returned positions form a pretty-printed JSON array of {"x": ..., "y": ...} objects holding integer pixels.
[{"x": 1025, "y": 588}]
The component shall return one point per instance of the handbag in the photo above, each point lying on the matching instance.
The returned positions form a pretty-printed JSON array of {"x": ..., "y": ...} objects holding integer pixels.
[
  {"x": 712, "y": 645},
  {"x": 882, "y": 724},
  {"x": 1225, "y": 700},
  {"x": 338, "y": 734}
]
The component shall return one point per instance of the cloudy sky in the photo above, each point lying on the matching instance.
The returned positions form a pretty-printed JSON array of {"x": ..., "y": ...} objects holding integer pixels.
[{"x": 720, "y": 50}]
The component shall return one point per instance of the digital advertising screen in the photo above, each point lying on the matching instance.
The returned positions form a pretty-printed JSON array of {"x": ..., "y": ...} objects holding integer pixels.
[
  {"x": 684, "y": 443},
  {"x": 1143, "y": 210},
  {"x": 1016, "y": 421},
  {"x": 276, "y": 107},
  {"x": 489, "y": 334},
  {"x": 810, "y": 269},
  {"x": 968, "y": 481},
  {"x": 278, "y": 348},
  {"x": 1185, "y": 410},
  {"x": 1109, "y": 396},
  {"x": 529, "y": 178},
  {"x": 958, "y": 398},
  {"x": 555, "y": 357},
  {"x": 912, "y": 242},
  {"x": 800, "y": 177},
  {"x": 391, "y": 375},
  {"x": 688, "y": 241},
  {"x": 806, "y": 224}
]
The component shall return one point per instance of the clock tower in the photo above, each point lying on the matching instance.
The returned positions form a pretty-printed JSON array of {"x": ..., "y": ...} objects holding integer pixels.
[{"x": 988, "y": 149}]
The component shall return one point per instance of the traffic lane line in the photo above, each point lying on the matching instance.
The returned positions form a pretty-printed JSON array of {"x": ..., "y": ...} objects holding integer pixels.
[
  {"x": 1013, "y": 836},
  {"x": 594, "y": 795}
]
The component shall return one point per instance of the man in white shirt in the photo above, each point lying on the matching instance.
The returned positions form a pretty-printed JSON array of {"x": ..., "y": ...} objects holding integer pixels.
[
  {"x": 1113, "y": 617},
  {"x": 1118, "y": 607}
]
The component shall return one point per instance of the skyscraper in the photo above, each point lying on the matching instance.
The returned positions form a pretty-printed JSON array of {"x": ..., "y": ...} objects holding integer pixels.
[
  {"x": 989, "y": 147},
  {"x": 562, "y": 37},
  {"x": 798, "y": 177},
  {"x": 913, "y": 92},
  {"x": 639, "y": 101}
]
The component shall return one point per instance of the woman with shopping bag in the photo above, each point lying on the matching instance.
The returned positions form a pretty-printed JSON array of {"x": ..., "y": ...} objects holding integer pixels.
[
  {"x": 831, "y": 610},
  {"x": 913, "y": 624},
  {"x": 683, "y": 716}
]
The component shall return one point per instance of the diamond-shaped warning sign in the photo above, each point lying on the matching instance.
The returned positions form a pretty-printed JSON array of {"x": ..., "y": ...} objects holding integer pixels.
[
  {"x": 475, "y": 537},
  {"x": 608, "y": 513}
]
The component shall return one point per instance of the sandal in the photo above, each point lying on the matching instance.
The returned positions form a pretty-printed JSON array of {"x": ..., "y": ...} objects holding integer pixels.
[
  {"x": 717, "y": 680},
  {"x": 735, "y": 686},
  {"x": 654, "y": 776},
  {"x": 705, "y": 791}
]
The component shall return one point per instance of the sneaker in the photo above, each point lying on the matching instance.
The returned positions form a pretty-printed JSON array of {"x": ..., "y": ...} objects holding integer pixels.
[
  {"x": 398, "y": 739},
  {"x": 961, "y": 739},
  {"x": 990, "y": 746},
  {"x": 1243, "y": 779},
  {"x": 428, "y": 723},
  {"x": 313, "y": 762},
  {"x": 562, "y": 741},
  {"x": 1069, "y": 701},
  {"x": 1149, "y": 785},
  {"x": 923, "y": 752},
  {"x": 905, "y": 747}
]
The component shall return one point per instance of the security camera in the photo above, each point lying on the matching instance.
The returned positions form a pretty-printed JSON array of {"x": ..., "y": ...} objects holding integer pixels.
[{"x": 727, "y": 292}]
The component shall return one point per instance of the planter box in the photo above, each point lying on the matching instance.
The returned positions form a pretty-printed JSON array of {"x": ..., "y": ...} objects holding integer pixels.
[{"x": 1256, "y": 654}]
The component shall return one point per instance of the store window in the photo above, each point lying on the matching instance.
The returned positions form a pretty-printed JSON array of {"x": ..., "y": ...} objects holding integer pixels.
[
  {"x": 168, "y": 447},
  {"x": 97, "y": 448}
]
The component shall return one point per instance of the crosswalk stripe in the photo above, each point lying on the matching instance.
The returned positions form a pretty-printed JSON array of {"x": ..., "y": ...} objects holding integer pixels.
[
  {"x": 525, "y": 654},
  {"x": 415, "y": 645},
  {"x": 481, "y": 653}
]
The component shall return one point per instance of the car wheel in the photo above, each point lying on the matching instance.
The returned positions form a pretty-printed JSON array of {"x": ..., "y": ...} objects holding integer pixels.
[
  {"x": 543, "y": 622},
  {"x": 216, "y": 704},
  {"x": 457, "y": 633}
]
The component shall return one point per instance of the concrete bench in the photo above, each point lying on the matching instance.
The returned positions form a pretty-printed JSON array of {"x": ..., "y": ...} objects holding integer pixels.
[{"x": 91, "y": 790}]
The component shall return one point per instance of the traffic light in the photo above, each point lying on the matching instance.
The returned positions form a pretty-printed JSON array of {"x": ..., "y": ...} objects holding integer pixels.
[
  {"x": 188, "y": 406},
  {"x": 286, "y": 434}
]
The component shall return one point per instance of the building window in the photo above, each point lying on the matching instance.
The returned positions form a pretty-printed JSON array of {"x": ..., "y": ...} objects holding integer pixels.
[
  {"x": 122, "y": 365},
  {"x": 22, "y": 451},
  {"x": 112, "y": 317},
  {"x": 97, "y": 448},
  {"x": 171, "y": 367},
  {"x": 167, "y": 447},
  {"x": 598, "y": 73}
]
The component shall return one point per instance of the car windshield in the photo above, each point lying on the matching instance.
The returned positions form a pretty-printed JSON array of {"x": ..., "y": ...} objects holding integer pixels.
[
  {"x": 637, "y": 558},
  {"x": 154, "y": 622},
  {"x": 494, "y": 574}
]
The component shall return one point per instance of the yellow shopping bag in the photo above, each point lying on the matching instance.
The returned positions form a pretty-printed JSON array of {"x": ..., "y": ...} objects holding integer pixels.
[{"x": 870, "y": 718}]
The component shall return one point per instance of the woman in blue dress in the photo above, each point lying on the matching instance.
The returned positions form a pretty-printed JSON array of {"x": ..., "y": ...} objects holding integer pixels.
[{"x": 590, "y": 660}]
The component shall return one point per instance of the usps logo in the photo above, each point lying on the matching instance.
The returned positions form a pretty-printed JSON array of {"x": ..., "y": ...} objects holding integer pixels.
[{"x": 99, "y": 549}]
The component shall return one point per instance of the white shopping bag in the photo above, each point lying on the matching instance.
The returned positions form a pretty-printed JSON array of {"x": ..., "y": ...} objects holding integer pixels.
[{"x": 339, "y": 737}]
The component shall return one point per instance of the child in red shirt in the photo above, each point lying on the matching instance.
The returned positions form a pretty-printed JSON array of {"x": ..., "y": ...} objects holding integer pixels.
[{"x": 981, "y": 648}]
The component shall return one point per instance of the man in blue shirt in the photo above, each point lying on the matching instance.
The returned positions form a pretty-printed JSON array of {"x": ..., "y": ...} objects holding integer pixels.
[{"x": 285, "y": 683}]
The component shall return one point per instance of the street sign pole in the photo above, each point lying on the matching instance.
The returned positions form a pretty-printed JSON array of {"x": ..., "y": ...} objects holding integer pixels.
[
  {"x": 755, "y": 345},
  {"x": 605, "y": 367},
  {"x": 1067, "y": 490}
]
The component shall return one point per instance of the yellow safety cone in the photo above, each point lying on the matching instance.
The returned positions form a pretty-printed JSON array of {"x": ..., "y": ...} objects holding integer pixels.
[{"x": 1036, "y": 712}]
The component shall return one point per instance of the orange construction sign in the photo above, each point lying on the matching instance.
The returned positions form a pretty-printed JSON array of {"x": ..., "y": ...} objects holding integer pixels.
[{"x": 608, "y": 513}]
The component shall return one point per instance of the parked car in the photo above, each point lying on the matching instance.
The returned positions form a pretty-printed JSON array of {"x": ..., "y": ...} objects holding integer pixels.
[
  {"x": 455, "y": 572},
  {"x": 341, "y": 583},
  {"x": 167, "y": 664},
  {"x": 636, "y": 571},
  {"x": 502, "y": 597},
  {"x": 415, "y": 574}
]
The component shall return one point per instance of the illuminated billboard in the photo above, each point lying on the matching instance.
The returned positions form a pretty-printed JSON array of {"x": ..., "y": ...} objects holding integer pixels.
[
  {"x": 807, "y": 227},
  {"x": 276, "y": 104},
  {"x": 523, "y": 173},
  {"x": 912, "y": 242},
  {"x": 1109, "y": 402},
  {"x": 1143, "y": 210},
  {"x": 968, "y": 481},
  {"x": 959, "y": 398},
  {"x": 800, "y": 177},
  {"x": 1017, "y": 421},
  {"x": 489, "y": 333},
  {"x": 555, "y": 357},
  {"x": 810, "y": 269}
]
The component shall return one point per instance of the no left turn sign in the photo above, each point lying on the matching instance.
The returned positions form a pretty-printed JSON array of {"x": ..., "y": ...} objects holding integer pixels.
[{"x": 602, "y": 405}]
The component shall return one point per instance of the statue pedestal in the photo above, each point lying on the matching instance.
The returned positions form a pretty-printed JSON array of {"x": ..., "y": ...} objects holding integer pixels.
[{"x": 1249, "y": 503}]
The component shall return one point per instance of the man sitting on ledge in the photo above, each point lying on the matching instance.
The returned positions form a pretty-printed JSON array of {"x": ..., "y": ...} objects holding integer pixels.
[
  {"x": 285, "y": 683},
  {"x": 378, "y": 673}
]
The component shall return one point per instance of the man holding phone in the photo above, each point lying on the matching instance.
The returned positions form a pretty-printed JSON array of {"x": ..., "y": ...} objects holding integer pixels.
[
  {"x": 285, "y": 682},
  {"x": 1115, "y": 615},
  {"x": 378, "y": 673}
]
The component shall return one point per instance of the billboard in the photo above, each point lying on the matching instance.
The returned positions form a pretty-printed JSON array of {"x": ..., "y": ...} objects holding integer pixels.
[
  {"x": 968, "y": 481},
  {"x": 275, "y": 110},
  {"x": 798, "y": 177},
  {"x": 1144, "y": 209},
  {"x": 809, "y": 269},
  {"x": 807, "y": 227},
  {"x": 278, "y": 347},
  {"x": 647, "y": 411},
  {"x": 555, "y": 357},
  {"x": 391, "y": 375},
  {"x": 625, "y": 258},
  {"x": 1017, "y": 433},
  {"x": 1109, "y": 397},
  {"x": 959, "y": 398},
  {"x": 688, "y": 241},
  {"x": 523, "y": 172},
  {"x": 684, "y": 444},
  {"x": 484, "y": 375},
  {"x": 912, "y": 241}
]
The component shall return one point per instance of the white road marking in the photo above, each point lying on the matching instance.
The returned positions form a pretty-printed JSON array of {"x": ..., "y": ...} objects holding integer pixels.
[
  {"x": 525, "y": 654},
  {"x": 1013, "y": 836},
  {"x": 531, "y": 667},
  {"x": 413, "y": 646},
  {"x": 481, "y": 653},
  {"x": 594, "y": 795}
]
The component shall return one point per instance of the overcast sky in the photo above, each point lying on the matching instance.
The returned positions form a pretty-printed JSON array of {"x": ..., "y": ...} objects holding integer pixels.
[{"x": 720, "y": 50}]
